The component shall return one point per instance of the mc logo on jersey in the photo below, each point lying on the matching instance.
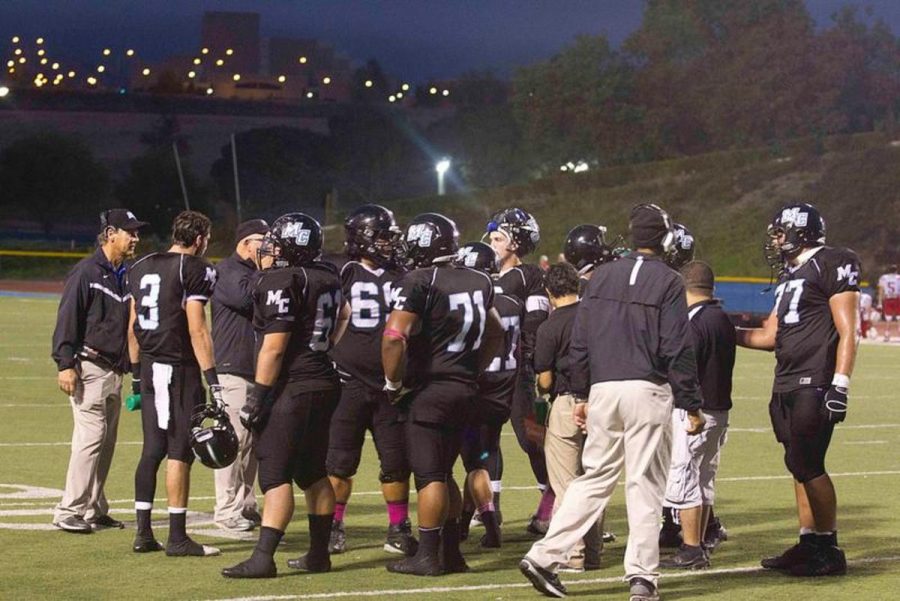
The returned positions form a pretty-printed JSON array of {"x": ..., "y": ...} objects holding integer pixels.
[
  {"x": 297, "y": 232},
  {"x": 847, "y": 272},
  {"x": 211, "y": 275},
  {"x": 274, "y": 298},
  {"x": 794, "y": 216}
]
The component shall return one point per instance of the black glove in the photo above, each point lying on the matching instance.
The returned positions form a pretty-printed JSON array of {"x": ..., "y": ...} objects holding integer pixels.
[
  {"x": 256, "y": 411},
  {"x": 836, "y": 404}
]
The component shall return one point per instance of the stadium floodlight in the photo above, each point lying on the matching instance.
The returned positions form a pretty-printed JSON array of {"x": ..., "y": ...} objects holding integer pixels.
[
  {"x": 4, "y": 91},
  {"x": 441, "y": 167},
  {"x": 405, "y": 87}
]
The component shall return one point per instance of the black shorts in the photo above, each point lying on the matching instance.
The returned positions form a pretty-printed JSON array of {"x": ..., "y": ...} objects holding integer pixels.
[
  {"x": 433, "y": 449},
  {"x": 479, "y": 443},
  {"x": 293, "y": 444},
  {"x": 801, "y": 424},
  {"x": 186, "y": 395},
  {"x": 361, "y": 408}
]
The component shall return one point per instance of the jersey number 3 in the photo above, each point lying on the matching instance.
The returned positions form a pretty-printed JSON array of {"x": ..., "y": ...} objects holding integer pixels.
[{"x": 149, "y": 302}]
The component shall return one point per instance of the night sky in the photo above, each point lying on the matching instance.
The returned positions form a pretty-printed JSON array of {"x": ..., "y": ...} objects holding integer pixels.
[{"x": 412, "y": 39}]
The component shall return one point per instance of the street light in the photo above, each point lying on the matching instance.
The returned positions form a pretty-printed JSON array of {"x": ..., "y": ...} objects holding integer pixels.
[
  {"x": 441, "y": 167},
  {"x": 4, "y": 91}
]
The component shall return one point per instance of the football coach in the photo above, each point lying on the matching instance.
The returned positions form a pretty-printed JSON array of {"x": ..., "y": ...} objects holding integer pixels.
[
  {"x": 630, "y": 354},
  {"x": 90, "y": 351}
]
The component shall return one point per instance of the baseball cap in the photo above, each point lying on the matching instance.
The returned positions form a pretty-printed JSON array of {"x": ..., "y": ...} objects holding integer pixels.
[
  {"x": 122, "y": 219},
  {"x": 249, "y": 228}
]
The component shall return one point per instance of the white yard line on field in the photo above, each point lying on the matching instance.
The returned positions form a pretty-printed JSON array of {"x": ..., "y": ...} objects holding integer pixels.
[{"x": 515, "y": 585}]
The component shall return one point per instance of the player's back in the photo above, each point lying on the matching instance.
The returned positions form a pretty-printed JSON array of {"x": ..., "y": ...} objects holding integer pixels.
[
  {"x": 452, "y": 303},
  {"x": 162, "y": 284},
  {"x": 305, "y": 302},
  {"x": 498, "y": 382}
]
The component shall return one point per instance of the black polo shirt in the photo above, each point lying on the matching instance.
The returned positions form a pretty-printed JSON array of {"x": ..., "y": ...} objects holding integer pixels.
[
  {"x": 551, "y": 351},
  {"x": 714, "y": 341},
  {"x": 233, "y": 337}
]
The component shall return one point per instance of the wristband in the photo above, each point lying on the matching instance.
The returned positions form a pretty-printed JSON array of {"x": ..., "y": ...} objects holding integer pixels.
[
  {"x": 136, "y": 371},
  {"x": 212, "y": 378},
  {"x": 392, "y": 333},
  {"x": 391, "y": 385},
  {"x": 841, "y": 381}
]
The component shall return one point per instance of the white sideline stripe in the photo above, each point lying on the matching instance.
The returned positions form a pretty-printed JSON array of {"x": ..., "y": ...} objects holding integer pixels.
[
  {"x": 505, "y": 488},
  {"x": 867, "y": 442},
  {"x": 491, "y": 587}
]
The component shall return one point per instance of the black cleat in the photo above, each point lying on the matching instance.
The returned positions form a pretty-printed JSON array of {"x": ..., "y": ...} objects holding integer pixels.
[
  {"x": 105, "y": 522},
  {"x": 416, "y": 566},
  {"x": 253, "y": 516},
  {"x": 401, "y": 540},
  {"x": 797, "y": 555},
  {"x": 669, "y": 537},
  {"x": 337, "y": 540},
  {"x": 74, "y": 523},
  {"x": 305, "y": 564},
  {"x": 715, "y": 534},
  {"x": 254, "y": 567},
  {"x": 687, "y": 558},
  {"x": 491, "y": 541},
  {"x": 190, "y": 548},
  {"x": 642, "y": 590},
  {"x": 543, "y": 580},
  {"x": 826, "y": 561},
  {"x": 537, "y": 527},
  {"x": 455, "y": 565},
  {"x": 146, "y": 544}
]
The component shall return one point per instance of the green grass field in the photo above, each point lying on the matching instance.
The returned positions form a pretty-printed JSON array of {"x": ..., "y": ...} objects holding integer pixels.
[{"x": 755, "y": 502}]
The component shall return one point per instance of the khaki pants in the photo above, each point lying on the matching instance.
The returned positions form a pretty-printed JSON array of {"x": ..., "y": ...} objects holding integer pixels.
[
  {"x": 628, "y": 427},
  {"x": 95, "y": 410},
  {"x": 234, "y": 484},
  {"x": 563, "y": 445}
]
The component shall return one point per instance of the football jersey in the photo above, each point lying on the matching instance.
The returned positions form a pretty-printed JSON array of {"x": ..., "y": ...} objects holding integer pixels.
[
  {"x": 161, "y": 285},
  {"x": 806, "y": 341},
  {"x": 526, "y": 282},
  {"x": 452, "y": 304},
  {"x": 498, "y": 382},
  {"x": 358, "y": 354},
  {"x": 889, "y": 284},
  {"x": 305, "y": 302}
]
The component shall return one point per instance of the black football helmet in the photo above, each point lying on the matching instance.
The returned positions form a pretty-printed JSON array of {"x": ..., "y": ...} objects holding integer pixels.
[
  {"x": 372, "y": 233},
  {"x": 519, "y": 226},
  {"x": 294, "y": 239},
  {"x": 803, "y": 227},
  {"x": 586, "y": 248},
  {"x": 430, "y": 238},
  {"x": 213, "y": 438},
  {"x": 683, "y": 251},
  {"x": 478, "y": 255}
]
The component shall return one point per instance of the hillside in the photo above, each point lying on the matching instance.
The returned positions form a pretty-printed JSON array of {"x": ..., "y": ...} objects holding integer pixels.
[{"x": 726, "y": 199}]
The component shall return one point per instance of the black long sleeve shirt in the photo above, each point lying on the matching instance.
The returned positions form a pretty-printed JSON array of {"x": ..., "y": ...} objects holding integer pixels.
[
  {"x": 632, "y": 324},
  {"x": 234, "y": 340},
  {"x": 93, "y": 313},
  {"x": 714, "y": 341}
]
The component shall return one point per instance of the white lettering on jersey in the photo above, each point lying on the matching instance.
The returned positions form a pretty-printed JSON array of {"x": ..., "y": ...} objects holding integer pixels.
[
  {"x": 274, "y": 298},
  {"x": 211, "y": 275},
  {"x": 847, "y": 272}
]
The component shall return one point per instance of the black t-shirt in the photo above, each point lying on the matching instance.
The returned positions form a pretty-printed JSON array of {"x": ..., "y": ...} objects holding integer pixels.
[
  {"x": 358, "y": 354},
  {"x": 714, "y": 341},
  {"x": 498, "y": 382},
  {"x": 304, "y": 301},
  {"x": 526, "y": 283},
  {"x": 162, "y": 284},
  {"x": 551, "y": 353},
  {"x": 806, "y": 342},
  {"x": 452, "y": 304}
]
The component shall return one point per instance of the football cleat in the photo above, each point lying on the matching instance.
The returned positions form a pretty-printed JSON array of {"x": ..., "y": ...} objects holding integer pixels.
[
  {"x": 715, "y": 534},
  {"x": 796, "y": 555},
  {"x": 537, "y": 527},
  {"x": 687, "y": 558},
  {"x": 416, "y": 566},
  {"x": 252, "y": 568},
  {"x": 337, "y": 540},
  {"x": 105, "y": 522},
  {"x": 146, "y": 544},
  {"x": 190, "y": 548},
  {"x": 543, "y": 580},
  {"x": 400, "y": 539},
  {"x": 826, "y": 561},
  {"x": 74, "y": 523},
  {"x": 305, "y": 563}
]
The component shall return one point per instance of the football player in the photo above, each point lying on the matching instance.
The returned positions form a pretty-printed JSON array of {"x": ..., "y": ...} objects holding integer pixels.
[
  {"x": 889, "y": 301},
  {"x": 299, "y": 313},
  {"x": 450, "y": 307},
  {"x": 812, "y": 330},
  {"x": 372, "y": 245},
  {"x": 481, "y": 439},
  {"x": 513, "y": 234},
  {"x": 169, "y": 344},
  {"x": 586, "y": 248},
  {"x": 683, "y": 251}
]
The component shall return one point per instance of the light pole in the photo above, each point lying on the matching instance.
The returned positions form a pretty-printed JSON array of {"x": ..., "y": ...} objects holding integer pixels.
[{"x": 441, "y": 167}]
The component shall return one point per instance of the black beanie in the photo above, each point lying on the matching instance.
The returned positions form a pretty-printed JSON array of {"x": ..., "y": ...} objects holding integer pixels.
[
  {"x": 649, "y": 225},
  {"x": 249, "y": 228}
]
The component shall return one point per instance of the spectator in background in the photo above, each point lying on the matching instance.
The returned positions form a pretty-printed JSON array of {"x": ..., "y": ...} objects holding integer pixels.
[
  {"x": 889, "y": 301},
  {"x": 695, "y": 459},
  {"x": 865, "y": 314},
  {"x": 233, "y": 343},
  {"x": 90, "y": 349}
]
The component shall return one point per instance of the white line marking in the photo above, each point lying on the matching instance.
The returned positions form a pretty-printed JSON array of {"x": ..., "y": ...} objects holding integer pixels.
[
  {"x": 867, "y": 442},
  {"x": 509, "y": 585}
]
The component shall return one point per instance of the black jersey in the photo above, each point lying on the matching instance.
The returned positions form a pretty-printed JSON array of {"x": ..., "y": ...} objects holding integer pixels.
[
  {"x": 304, "y": 301},
  {"x": 452, "y": 303},
  {"x": 161, "y": 285},
  {"x": 551, "y": 351},
  {"x": 498, "y": 383},
  {"x": 526, "y": 283},
  {"x": 806, "y": 342},
  {"x": 714, "y": 341},
  {"x": 358, "y": 354}
]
